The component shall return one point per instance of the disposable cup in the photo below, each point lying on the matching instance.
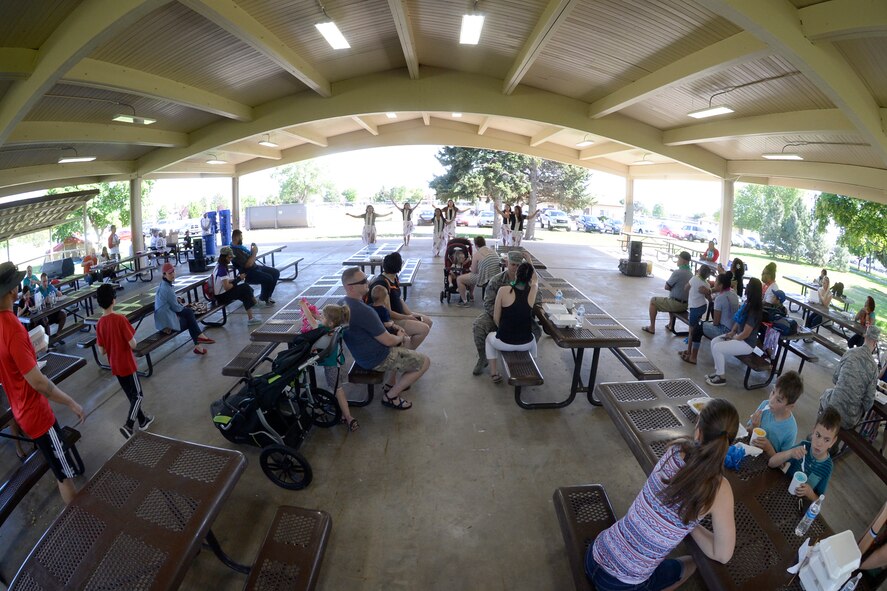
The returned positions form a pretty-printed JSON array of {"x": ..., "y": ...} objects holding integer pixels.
[
  {"x": 757, "y": 434},
  {"x": 798, "y": 479}
]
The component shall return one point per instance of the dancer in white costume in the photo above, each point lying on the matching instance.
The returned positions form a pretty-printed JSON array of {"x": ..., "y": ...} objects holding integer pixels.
[
  {"x": 507, "y": 223},
  {"x": 407, "y": 213},
  {"x": 450, "y": 212},
  {"x": 439, "y": 224},
  {"x": 517, "y": 224},
  {"x": 369, "y": 223}
]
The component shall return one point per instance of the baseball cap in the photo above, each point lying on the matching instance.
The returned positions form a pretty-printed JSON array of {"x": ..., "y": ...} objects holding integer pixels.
[
  {"x": 168, "y": 268},
  {"x": 515, "y": 256},
  {"x": 873, "y": 332},
  {"x": 684, "y": 255},
  {"x": 226, "y": 251},
  {"x": 10, "y": 276}
]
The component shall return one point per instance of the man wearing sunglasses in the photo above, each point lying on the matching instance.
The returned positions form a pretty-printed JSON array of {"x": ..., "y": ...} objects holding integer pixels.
[{"x": 375, "y": 348}]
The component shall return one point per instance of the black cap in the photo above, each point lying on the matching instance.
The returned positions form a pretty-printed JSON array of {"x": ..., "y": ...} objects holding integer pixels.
[{"x": 10, "y": 277}]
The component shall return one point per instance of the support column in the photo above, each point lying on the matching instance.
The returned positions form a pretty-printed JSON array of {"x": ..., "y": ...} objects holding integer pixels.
[
  {"x": 135, "y": 214},
  {"x": 726, "y": 235},
  {"x": 628, "y": 220},
  {"x": 85, "y": 231},
  {"x": 235, "y": 203}
]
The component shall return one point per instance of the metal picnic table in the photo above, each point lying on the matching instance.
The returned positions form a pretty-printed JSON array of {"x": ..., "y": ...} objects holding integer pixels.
[
  {"x": 285, "y": 324},
  {"x": 371, "y": 255}
]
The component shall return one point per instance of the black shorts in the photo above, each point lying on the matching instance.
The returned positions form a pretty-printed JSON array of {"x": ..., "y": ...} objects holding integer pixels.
[{"x": 50, "y": 443}]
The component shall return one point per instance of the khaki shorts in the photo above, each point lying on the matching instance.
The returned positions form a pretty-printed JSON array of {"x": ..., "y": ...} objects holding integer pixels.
[
  {"x": 401, "y": 359},
  {"x": 669, "y": 305}
]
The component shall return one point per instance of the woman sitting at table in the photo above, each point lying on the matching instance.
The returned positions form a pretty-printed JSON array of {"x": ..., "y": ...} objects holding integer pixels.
[
  {"x": 513, "y": 315},
  {"x": 685, "y": 486},
  {"x": 711, "y": 253},
  {"x": 821, "y": 296},
  {"x": 865, "y": 317},
  {"x": 742, "y": 338},
  {"x": 88, "y": 262}
]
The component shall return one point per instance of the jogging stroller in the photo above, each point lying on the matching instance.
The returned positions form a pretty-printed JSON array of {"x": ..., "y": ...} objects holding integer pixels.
[
  {"x": 456, "y": 248},
  {"x": 275, "y": 411}
]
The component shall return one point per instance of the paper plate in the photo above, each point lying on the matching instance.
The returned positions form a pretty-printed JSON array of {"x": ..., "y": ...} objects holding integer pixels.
[
  {"x": 554, "y": 309},
  {"x": 696, "y": 404}
]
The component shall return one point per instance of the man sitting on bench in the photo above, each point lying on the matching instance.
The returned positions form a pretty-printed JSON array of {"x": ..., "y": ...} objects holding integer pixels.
[
  {"x": 245, "y": 262},
  {"x": 49, "y": 292},
  {"x": 27, "y": 389},
  {"x": 676, "y": 302}
]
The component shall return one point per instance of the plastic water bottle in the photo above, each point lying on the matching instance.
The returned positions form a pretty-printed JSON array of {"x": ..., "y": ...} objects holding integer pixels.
[
  {"x": 559, "y": 297},
  {"x": 851, "y": 584},
  {"x": 580, "y": 314},
  {"x": 38, "y": 300},
  {"x": 809, "y": 516}
]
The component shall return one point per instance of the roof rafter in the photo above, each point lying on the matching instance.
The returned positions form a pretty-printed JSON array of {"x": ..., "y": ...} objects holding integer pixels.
[
  {"x": 544, "y": 135},
  {"x": 812, "y": 121},
  {"x": 98, "y": 74},
  {"x": 67, "y": 132},
  {"x": 845, "y": 174},
  {"x": 426, "y": 118},
  {"x": 603, "y": 149},
  {"x": 552, "y": 17},
  {"x": 734, "y": 50},
  {"x": 373, "y": 129},
  {"x": 228, "y": 15},
  {"x": 88, "y": 25},
  {"x": 844, "y": 19},
  {"x": 484, "y": 125},
  {"x": 16, "y": 62},
  {"x": 307, "y": 135},
  {"x": 778, "y": 24},
  {"x": 405, "y": 33},
  {"x": 251, "y": 148}
]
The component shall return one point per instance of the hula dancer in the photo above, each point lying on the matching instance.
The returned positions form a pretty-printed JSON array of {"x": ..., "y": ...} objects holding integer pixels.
[
  {"x": 369, "y": 223},
  {"x": 407, "y": 212},
  {"x": 439, "y": 224},
  {"x": 507, "y": 223},
  {"x": 450, "y": 212},
  {"x": 517, "y": 224}
]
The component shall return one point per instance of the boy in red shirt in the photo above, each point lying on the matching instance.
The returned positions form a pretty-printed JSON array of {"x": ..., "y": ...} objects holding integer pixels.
[
  {"x": 115, "y": 338},
  {"x": 24, "y": 385}
]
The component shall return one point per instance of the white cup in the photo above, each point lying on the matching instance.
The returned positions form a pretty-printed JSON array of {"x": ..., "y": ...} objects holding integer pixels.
[
  {"x": 757, "y": 434},
  {"x": 798, "y": 479}
]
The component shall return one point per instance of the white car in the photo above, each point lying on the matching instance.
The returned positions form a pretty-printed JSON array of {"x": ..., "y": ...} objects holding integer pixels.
[
  {"x": 555, "y": 219},
  {"x": 485, "y": 219},
  {"x": 694, "y": 232}
]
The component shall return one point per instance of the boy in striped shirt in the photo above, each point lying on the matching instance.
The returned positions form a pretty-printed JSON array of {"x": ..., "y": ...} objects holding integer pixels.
[{"x": 812, "y": 457}]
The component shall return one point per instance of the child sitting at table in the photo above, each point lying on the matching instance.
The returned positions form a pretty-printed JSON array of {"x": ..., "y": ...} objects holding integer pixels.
[
  {"x": 774, "y": 415},
  {"x": 115, "y": 337},
  {"x": 812, "y": 457},
  {"x": 685, "y": 486}
]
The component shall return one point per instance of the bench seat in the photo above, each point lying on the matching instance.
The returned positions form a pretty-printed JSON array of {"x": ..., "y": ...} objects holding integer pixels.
[
  {"x": 407, "y": 275},
  {"x": 245, "y": 362},
  {"x": 753, "y": 362},
  {"x": 361, "y": 375},
  {"x": 683, "y": 317},
  {"x": 829, "y": 344},
  {"x": 286, "y": 265},
  {"x": 520, "y": 370},
  {"x": 638, "y": 364},
  {"x": 866, "y": 452},
  {"x": 148, "y": 344},
  {"x": 583, "y": 512},
  {"x": 292, "y": 552},
  {"x": 66, "y": 332},
  {"x": 800, "y": 349}
]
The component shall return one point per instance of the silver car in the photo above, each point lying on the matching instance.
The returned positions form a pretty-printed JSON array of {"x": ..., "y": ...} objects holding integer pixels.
[{"x": 555, "y": 219}]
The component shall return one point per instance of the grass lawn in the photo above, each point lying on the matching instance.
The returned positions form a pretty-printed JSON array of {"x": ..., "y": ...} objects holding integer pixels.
[{"x": 857, "y": 285}]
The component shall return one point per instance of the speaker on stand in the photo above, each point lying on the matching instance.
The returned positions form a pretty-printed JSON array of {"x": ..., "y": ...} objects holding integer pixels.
[{"x": 635, "y": 251}]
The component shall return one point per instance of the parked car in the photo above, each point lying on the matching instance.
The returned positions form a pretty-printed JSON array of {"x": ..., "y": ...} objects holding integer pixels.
[
  {"x": 556, "y": 219},
  {"x": 425, "y": 217},
  {"x": 642, "y": 227},
  {"x": 589, "y": 223},
  {"x": 485, "y": 219},
  {"x": 462, "y": 220},
  {"x": 666, "y": 230},
  {"x": 612, "y": 225},
  {"x": 694, "y": 232},
  {"x": 752, "y": 242}
]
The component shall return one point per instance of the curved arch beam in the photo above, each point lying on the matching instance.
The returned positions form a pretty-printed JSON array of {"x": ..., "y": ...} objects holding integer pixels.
[
  {"x": 436, "y": 90},
  {"x": 856, "y": 180},
  {"x": 838, "y": 20},
  {"x": 69, "y": 132},
  {"x": 47, "y": 174}
]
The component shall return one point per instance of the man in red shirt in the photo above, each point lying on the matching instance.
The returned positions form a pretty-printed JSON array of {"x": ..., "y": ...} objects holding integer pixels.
[{"x": 28, "y": 389}]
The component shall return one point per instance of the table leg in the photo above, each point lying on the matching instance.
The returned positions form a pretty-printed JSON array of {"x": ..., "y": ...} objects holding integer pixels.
[
  {"x": 592, "y": 377},
  {"x": 272, "y": 259},
  {"x": 213, "y": 544},
  {"x": 576, "y": 385}
]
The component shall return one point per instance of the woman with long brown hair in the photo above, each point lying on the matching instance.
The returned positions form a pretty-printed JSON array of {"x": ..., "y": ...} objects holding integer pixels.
[
  {"x": 743, "y": 337},
  {"x": 685, "y": 486}
]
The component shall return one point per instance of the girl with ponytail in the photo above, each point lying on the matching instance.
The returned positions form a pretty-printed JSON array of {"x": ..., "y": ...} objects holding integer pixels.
[{"x": 686, "y": 485}]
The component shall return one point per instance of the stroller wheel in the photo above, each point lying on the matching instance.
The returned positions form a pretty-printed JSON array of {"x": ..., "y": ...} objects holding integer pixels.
[
  {"x": 285, "y": 467},
  {"x": 325, "y": 411}
]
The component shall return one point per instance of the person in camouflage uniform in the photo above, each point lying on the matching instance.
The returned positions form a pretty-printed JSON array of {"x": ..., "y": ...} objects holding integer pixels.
[{"x": 855, "y": 380}]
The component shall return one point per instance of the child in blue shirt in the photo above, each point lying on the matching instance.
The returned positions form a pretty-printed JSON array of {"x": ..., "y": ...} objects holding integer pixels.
[
  {"x": 381, "y": 303},
  {"x": 812, "y": 457},
  {"x": 774, "y": 415}
]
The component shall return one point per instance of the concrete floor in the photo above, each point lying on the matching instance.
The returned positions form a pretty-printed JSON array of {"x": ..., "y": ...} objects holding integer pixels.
[{"x": 453, "y": 494}]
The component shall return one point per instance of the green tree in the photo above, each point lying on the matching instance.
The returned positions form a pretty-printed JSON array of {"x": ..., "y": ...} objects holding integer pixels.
[
  {"x": 658, "y": 211},
  {"x": 349, "y": 195},
  {"x": 817, "y": 249},
  {"x": 110, "y": 206},
  {"x": 297, "y": 183},
  {"x": 841, "y": 258},
  {"x": 863, "y": 224}
]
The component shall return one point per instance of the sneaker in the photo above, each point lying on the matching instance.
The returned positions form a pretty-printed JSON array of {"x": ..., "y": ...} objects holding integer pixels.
[
  {"x": 252, "y": 321},
  {"x": 268, "y": 303},
  {"x": 715, "y": 380},
  {"x": 479, "y": 367},
  {"x": 148, "y": 420},
  {"x": 126, "y": 431}
]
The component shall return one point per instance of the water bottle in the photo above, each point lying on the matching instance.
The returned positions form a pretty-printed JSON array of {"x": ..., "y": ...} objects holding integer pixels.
[
  {"x": 580, "y": 314},
  {"x": 559, "y": 297},
  {"x": 38, "y": 300},
  {"x": 809, "y": 516},
  {"x": 851, "y": 584}
]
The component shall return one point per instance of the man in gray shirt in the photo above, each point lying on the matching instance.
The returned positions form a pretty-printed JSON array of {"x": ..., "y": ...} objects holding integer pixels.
[
  {"x": 855, "y": 380},
  {"x": 677, "y": 286}
]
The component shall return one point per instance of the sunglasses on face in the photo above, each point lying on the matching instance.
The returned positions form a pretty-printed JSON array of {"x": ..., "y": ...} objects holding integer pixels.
[{"x": 363, "y": 281}]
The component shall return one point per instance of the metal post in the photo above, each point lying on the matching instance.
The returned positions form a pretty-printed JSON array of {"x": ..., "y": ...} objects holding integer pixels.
[
  {"x": 235, "y": 202},
  {"x": 135, "y": 209},
  {"x": 629, "y": 204},
  {"x": 726, "y": 236},
  {"x": 85, "y": 232}
]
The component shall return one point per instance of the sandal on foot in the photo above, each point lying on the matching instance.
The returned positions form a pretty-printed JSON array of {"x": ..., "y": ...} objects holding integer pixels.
[
  {"x": 648, "y": 329},
  {"x": 401, "y": 405},
  {"x": 497, "y": 379},
  {"x": 687, "y": 359},
  {"x": 387, "y": 388},
  {"x": 353, "y": 425}
]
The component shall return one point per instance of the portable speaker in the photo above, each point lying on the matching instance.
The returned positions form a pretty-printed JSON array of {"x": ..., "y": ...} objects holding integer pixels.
[{"x": 635, "y": 250}]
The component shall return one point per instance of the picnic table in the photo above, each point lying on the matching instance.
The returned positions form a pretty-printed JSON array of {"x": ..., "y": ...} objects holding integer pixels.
[
  {"x": 83, "y": 295},
  {"x": 135, "y": 308},
  {"x": 650, "y": 416},
  {"x": 813, "y": 286},
  {"x": 140, "y": 521},
  {"x": 285, "y": 324},
  {"x": 599, "y": 331},
  {"x": 503, "y": 250},
  {"x": 665, "y": 248},
  {"x": 713, "y": 265},
  {"x": 267, "y": 251},
  {"x": 844, "y": 320},
  {"x": 371, "y": 255}
]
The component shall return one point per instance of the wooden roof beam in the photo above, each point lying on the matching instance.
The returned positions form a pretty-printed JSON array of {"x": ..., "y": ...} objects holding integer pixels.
[
  {"x": 251, "y": 148},
  {"x": 34, "y": 175},
  {"x": 373, "y": 129},
  {"x": 229, "y": 16},
  {"x": 544, "y": 135},
  {"x": 739, "y": 48},
  {"x": 69, "y": 132},
  {"x": 16, "y": 62},
  {"x": 89, "y": 25},
  {"x": 844, "y": 19},
  {"x": 812, "y": 121},
  {"x": 603, "y": 149},
  {"x": 552, "y": 17},
  {"x": 307, "y": 135},
  {"x": 405, "y": 33}
]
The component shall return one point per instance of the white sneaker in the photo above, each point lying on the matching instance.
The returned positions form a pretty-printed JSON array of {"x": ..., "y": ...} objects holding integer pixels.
[{"x": 254, "y": 320}]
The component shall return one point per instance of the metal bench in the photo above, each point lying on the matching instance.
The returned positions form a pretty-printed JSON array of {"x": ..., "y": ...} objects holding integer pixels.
[
  {"x": 148, "y": 344},
  {"x": 407, "y": 275},
  {"x": 292, "y": 552},
  {"x": 66, "y": 332},
  {"x": 583, "y": 512},
  {"x": 683, "y": 317},
  {"x": 799, "y": 348},
  {"x": 829, "y": 344},
  {"x": 291, "y": 263},
  {"x": 360, "y": 375},
  {"x": 753, "y": 362},
  {"x": 638, "y": 364},
  {"x": 521, "y": 370},
  {"x": 245, "y": 362},
  {"x": 866, "y": 452}
]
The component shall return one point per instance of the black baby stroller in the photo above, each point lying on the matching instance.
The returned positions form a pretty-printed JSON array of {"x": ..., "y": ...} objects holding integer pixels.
[
  {"x": 275, "y": 411},
  {"x": 456, "y": 248}
]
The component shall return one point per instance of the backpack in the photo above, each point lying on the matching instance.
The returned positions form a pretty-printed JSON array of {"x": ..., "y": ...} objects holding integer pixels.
[
  {"x": 208, "y": 291},
  {"x": 785, "y": 326},
  {"x": 838, "y": 290}
]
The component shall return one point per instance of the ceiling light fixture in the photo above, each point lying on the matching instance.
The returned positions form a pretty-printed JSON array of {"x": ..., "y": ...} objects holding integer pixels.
[
  {"x": 783, "y": 155},
  {"x": 643, "y": 160},
  {"x": 267, "y": 142},
  {"x": 120, "y": 117},
  {"x": 75, "y": 158},
  {"x": 713, "y": 110},
  {"x": 331, "y": 32},
  {"x": 585, "y": 142},
  {"x": 457, "y": 115},
  {"x": 472, "y": 25},
  {"x": 391, "y": 115},
  {"x": 214, "y": 159}
]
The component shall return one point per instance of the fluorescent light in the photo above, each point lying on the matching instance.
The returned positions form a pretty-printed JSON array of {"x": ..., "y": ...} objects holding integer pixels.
[
  {"x": 72, "y": 159},
  {"x": 333, "y": 35},
  {"x": 472, "y": 24},
  {"x": 267, "y": 142},
  {"x": 642, "y": 162},
  {"x": 457, "y": 115},
  {"x": 710, "y": 112},
  {"x": 213, "y": 159},
  {"x": 391, "y": 115},
  {"x": 782, "y": 156},
  {"x": 584, "y": 144},
  {"x": 134, "y": 119}
]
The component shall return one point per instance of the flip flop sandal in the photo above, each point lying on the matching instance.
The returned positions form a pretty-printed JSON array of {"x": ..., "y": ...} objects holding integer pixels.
[
  {"x": 402, "y": 405},
  {"x": 353, "y": 425},
  {"x": 687, "y": 360},
  {"x": 647, "y": 330},
  {"x": 497, "y": 379}
]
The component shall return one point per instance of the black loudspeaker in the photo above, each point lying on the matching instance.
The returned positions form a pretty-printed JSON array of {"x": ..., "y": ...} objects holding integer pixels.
[
  {"x": 197, "y": 265},
  {"x": 635, "y": 250},
  {"x": 197, "y": 245},
  {"x": 632, "y": 269}
]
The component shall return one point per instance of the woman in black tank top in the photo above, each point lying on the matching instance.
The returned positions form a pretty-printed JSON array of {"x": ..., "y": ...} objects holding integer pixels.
[{"x": 513, "y": 314}]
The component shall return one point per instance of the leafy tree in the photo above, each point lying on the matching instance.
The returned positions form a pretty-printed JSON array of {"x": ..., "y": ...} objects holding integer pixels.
[
  {"x": 841, "y": 258},
  {"x": 640, "y": 210},
  {"x": 297, "y": 183},
  {"x": 110, "y": 206},
  {"x": 863, "y": 224},
  {"x": 817, "y": 249},
  {"x": 658, "y": 211},
  {"x": 349, "y": 195}
]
